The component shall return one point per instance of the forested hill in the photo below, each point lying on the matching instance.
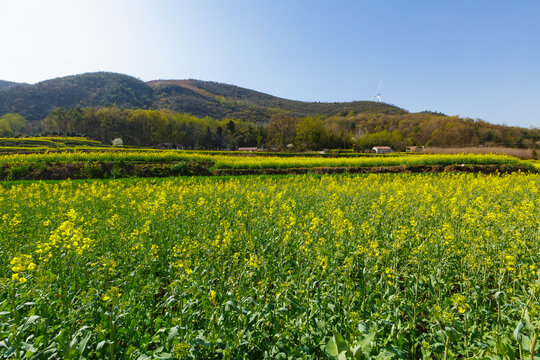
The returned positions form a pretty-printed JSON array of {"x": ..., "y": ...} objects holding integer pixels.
[
  {"x": 232, "y": 100},
  {"x": 35, "y": 101},
  {"x": 5, "y": 84},
  {"x": 199, "y": 98}
]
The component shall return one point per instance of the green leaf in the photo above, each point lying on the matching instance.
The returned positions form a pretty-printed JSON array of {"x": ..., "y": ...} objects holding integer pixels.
[
  {"x": 83, "y": 343},
  {"x": 100, "y": 345},
  {"x": 357, "y": 353},
  {"x": 529, "y": 330},
  {"x": 367, "y": 341},
  {"x": 517, "y": 331},
  {"x": 29, "y": 322},
  {"x": 340, "y": 342},
  {"x": 231, "y": 305},
  {"x": 525, "y": 343},
  {"x": 332, "y": 348},
  {"x": 337, "y": 347},
  {"x": 172, "y": 334},
  {"x": 504, "y": 349}
]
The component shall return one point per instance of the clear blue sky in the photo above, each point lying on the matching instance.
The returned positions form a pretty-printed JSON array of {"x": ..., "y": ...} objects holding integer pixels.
[{"x": 478, "y": 58}]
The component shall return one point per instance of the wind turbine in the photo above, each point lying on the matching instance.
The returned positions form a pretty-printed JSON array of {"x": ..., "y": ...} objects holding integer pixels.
[{"x": 378, "y": 94}]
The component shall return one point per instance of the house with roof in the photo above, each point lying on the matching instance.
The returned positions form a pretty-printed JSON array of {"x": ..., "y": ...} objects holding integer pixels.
[
  {"x": 382, "y": 149},
  {"x": 247, "y": 148}
]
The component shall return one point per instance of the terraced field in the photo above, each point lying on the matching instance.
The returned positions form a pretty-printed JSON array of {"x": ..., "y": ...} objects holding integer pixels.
[{"x": 151, "y": 163}]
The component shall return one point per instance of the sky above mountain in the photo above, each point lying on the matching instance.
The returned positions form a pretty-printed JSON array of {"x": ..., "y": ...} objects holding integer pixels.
[{"x": 470, "y": 58}]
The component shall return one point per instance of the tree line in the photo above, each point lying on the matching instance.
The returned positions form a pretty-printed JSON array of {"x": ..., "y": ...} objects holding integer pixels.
[
  {"x": 282, "y": 132},
  {"x": 151, "y": 128},
  {"x": 363, "y": 131}
]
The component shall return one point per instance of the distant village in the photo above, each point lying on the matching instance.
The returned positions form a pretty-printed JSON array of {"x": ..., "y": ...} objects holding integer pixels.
[{"x": 375, "y": 149}]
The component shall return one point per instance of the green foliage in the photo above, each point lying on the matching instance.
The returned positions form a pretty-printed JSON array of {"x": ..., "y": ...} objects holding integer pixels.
[
  {"x": 152, "y": 127},
  {"x": 92, "y": 170},
  {"x": 18, "y": 171},
  {"x": 281, "y": 130},
  {"x": 11, "y": 124},
  {"x": 435, "y": 130},
  {"x": 117, "y": 172},
  {"x": 381, "y": 138},
  {"x": 181, "y": 169},
  {"x": 311, "y": 133},
  {"x": 5, "y": 129}
]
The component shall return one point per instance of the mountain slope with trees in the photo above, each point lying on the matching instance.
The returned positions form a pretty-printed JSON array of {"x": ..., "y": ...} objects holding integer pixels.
[
  {"x": 5, "y": 84},
  {"x": 234, "y": 99},
  {"x": 35, "y": 101},
  {"x": 195, "y": 97}
]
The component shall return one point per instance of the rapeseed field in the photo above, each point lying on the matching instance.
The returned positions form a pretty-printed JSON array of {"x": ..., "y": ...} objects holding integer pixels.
[
  {"x": 400, "y": 266},
  {"x": 248, "y": 161}
]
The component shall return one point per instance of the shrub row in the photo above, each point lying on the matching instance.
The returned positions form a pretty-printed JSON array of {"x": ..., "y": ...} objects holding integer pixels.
[{"x": 98, "y": 170}]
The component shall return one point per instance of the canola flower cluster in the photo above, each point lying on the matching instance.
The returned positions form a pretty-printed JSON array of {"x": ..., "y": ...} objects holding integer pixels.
[
  {"x": 21, "y": 263},
  {"x": 404, "y": 266},
  {"x": 67, "y": 237}
]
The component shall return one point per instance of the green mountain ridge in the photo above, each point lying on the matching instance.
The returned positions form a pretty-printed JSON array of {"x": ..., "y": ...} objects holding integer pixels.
[{"x": 196, "y": 97}]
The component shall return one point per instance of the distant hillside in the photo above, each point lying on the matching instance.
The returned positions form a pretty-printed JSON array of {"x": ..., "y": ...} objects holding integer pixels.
[
  {"x": 34, "y": 102},
  {"x": 199, "y": 98},
  {"x": 5, "y": 84}
]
